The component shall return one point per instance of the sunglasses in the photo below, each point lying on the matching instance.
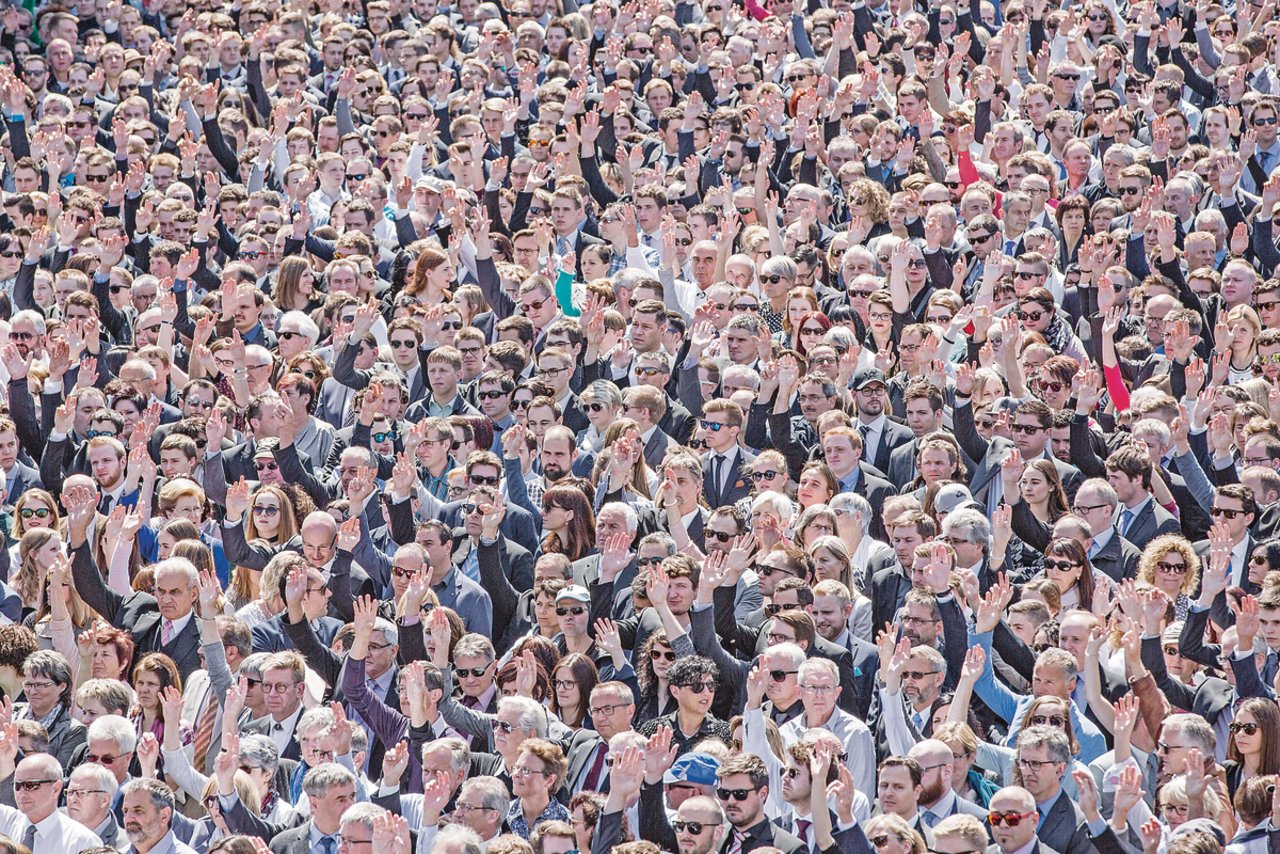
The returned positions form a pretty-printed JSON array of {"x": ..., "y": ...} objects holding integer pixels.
[
  {"x": 720, "y": 536},
  {"x": 737, "y": 794},
  {"x": 773, "y": 280},
  {"x": 42, "y": 513},
  {"x": 713, "y": 426},
  {"x": 1047, "y": 720},
  {"x": 1222, "y": 511},
  {"x": 1025, "y": 429},
  {"x": 760, "y": 476},
  {"x": 882, "y": 841},
  {"x": 491, "y": 395},
  {"x": 1236, "y": 726},
  {"x": 481, "y": 480},
  {"x": 1060, "y": 564},
  {"x": 694, "y": 827},
  {"x": 1012, "y": 819},
  {"x": 1172, "y": 568},
  {"x": 660, "y": 655},
  {"x": 576, "y": 610},
  {"x": 701, "y": 688}
]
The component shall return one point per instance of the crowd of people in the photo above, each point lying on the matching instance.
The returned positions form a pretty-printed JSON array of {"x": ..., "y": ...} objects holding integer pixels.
[{"x": 641, "y": 426}]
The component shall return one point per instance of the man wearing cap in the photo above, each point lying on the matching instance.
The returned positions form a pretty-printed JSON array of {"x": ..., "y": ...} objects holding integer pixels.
[
  {"x": 573, "y": 613},
  {"x": 880, "y": 435}
]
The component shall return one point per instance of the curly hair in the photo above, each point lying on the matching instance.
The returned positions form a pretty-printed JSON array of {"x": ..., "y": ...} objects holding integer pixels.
[
  {"x": 1155, "y": 552},
  {"x": 877, "y": 199}
]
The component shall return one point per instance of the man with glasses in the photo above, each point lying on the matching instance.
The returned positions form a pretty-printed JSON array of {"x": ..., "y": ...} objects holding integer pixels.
[
  {"x": 555, "y": 370},
  {"x": 1013, "y": 818},
  {"x": 111, "y": 742},
  {"x": 90, "y": 791},
  {"x": 282, "y": 687},
  {"x": 1234, "y": 507},
  {"x": 1044, "y": 753},
  {"x": 743, "y": 791},
  {"x": 912, "y": 679},
  {"x": 881, "y": 436},
  {"x": 37, "y": 821},
  {"x": 819, "y": 682},
  {"x": 612, "y": 706}
]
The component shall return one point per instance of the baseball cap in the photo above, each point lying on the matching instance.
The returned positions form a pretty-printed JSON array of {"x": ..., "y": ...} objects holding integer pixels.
[
  {"x": 697, "y": 768},
  {"x": 574, "y": 592},
  {"x": 867, "y": 376},
  {"x": 952, "y": 497}
]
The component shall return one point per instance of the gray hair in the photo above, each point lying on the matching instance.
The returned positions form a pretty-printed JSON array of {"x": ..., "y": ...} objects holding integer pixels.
[
  {"x": 777, "y": 502},
  {"x": 459, "y": 752},
  {"x": 115, "y": 729},
  {"x": 252, "y": 665},
  {"x": 532, "y": 714},
  {"x": 35, "y": 318},
  {"x": 260, "y": 751},
  {"x": 629, "y": 512},
  {"x": 474, "y": 645},
  {"x": 102, "y": 778},
  {"x": 305, "y": 325},
  {"x": 178, "y": 566},
  {"x": 492, "y": 791},
  {"x": 161, "y": 795},
  {"x": 972, "y": 524},
  {"x": 365, "y": 813},
  {"x": 466, "y": 839},
  {"x": 1106, "y": 492},
  {"x": 52, "y": 666},
  {"x": 789, "y": 652},
  {"x": 1051, "y": 738},
  {"x": 313, "y": 719},
  {"x": 661, "y": 538},
  {"x": 322, "y": 777},
  {"x": 1196, "y": 728},
  {"x": 853, "y": 502},
  {"x": 750, "y": 376},
  {"x": 779, "y": 265},
  {"x": 388, "y": 629}
]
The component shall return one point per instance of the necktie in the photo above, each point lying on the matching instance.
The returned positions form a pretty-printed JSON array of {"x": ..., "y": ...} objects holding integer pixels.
[
  {"x": 106, "y": 505},
  {"x": 204, "y": 733},
  {"x": 1264, "y": 160},
  {"x": 1126, "y": 519},
  {"x": 735, "y": 846},
  {"x": 717, "y": 476},
  {"x": 470, "y": 702},
  {"x": 592, "y": 781},
  {"x": 327, "y": 845},
  {"x": 166, "y": 632},
  {"x": 471, "y": 566},
  {"x": 929, "y": 818},
  {"x": 562, "y": 246},
  {"x": 29, "y": 837},
  {"x": 802, "y": 829}
]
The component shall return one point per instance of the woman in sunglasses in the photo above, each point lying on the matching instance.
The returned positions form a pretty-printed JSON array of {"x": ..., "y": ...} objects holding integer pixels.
[
  {"x": 654, "y": 660},
  {"x": 890, "y": 834},
  {"x": 1171, "y": 566},
  {"x": 1067, "y": 566},
  {"x": 1253, "y": 747}
]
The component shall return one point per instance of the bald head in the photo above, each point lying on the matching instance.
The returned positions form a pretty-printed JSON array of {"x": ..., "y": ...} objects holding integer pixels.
[{"x": 1013, "y": 799}]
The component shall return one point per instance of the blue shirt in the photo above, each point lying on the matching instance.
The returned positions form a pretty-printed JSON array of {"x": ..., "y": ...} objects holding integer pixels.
[{"x": 555, "y": 811}]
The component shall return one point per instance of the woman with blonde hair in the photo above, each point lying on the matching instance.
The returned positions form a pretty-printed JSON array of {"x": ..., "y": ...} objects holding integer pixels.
[
  {"x": 889, "y": 833},
  {"x": 1170, "y": 564},
  {"x": 37, "y": 551},
  {"x": 270, "y": 517},
  {"x": 644, "y": 480},
  {"x": 1245, "y": 328}
]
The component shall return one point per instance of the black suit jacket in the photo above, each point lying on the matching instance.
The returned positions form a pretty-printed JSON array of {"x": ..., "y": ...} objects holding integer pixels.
[
  {"x": 766, "y": 834},
  {"x": 877, "y": 491},
  {"x": 1064, "y": 828},
  {"x": 1152, "y": 521},
  {"x": 893, "y": 436},
  {"x": 1118, "y": 558},
  {"x": 736, "y": 486},
  {"x": 138, "y": 613}
]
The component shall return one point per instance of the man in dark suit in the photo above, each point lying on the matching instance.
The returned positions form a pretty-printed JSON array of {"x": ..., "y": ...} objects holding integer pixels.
[
  {"x": 881, "y": 436},
  {"x": 1234, "y": 505},
  {"x": 1013, "y": 810},
  {"x": 938, "y": 800},
  {"x": 1030, "y": 425},
  {"x": 283, "y": 685},
  {"x": 1044, "y": 754},
  {"x": 842, "y": 448},
  {"x": 330, "y": 789},
  {"x": 161, "y": 623},
  {"x": 1139, "y": 518},
  {"x": 646, "y": 405},
  {"x": 726, "y": 464},
  {"x": 749, "y": 826},
  {"x": 1109, "y": 551}
]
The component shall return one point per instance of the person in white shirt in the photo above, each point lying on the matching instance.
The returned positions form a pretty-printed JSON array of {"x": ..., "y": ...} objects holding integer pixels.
[{"x": 37, "y": 823}]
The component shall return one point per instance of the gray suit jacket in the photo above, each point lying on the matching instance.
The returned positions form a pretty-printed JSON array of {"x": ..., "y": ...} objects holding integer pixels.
[{"x": 1064, "y": 828}]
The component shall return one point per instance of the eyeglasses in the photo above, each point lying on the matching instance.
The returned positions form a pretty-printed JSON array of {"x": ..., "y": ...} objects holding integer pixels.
[
  {"x": 463, "y": 809},
  {"x": 917, "y": 675},
  {"x": 271, "y": 465},
  {"x": 79, "y": 793},
  {"x": 566, "y": 684},
  {"x": 266, "y": 510},
  {"x": 607, "y": 709},
  {"x": 820, "y": 690},
  {"x": 1236, "y": 726},
  {"x": 1261, "y": 122},
  {"x": 1034, "y": 765},
  {"x": 282, "y": 687},
  {"x": 1012, "y": 819},
  {"x": 737, "y": 794},
  {"x": 93, "y": 434},
  {"x": 661, "y": 655},
  {"x": 522, "y": 771}
]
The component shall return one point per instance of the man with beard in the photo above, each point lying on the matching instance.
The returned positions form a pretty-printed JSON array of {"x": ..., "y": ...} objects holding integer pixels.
[
  {"x": 913, "y": 677},
  {"x": 938, "y": 799},
  {"x": 148, "y": 807},
  {"x": 558, "y": 454}
]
